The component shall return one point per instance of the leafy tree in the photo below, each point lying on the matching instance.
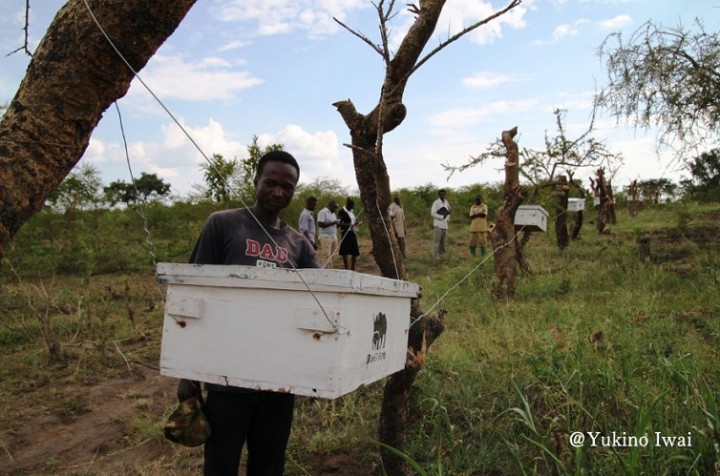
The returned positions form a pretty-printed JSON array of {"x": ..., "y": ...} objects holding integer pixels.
[
  {"x": 79, "y": 190},
  {"x": 705, "y": 182},
  {"x": 654, "y": 189},
  {"x": 119, "y": 191},
  {"x": 666, "y": 77},
  {"x": 150, "y": 186},
  {"x": 146, "y": 187},
  {"x": 219, "y": 175}
]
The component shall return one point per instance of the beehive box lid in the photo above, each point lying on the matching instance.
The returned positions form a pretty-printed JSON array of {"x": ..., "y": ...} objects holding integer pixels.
[
  {"x": 532, "y": 208},
  {"x": 326, "y": 280}
]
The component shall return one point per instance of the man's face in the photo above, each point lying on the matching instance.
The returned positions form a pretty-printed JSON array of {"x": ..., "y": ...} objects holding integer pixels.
[
  {"x": 311, "y": 205},
  {"x": 276, "y": 186},
  {"x": 441, "y": 194},
  {"x": 332, "y": 206}
]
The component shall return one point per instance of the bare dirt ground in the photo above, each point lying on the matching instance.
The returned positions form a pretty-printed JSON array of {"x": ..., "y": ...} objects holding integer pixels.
[
  {"x": 60, "y": 423},
  {"x": 93, "y": 440}
]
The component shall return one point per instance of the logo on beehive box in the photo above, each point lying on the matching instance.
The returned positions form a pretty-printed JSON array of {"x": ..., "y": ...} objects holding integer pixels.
[
  {"x": 379, "y": 331},
  {"x": 378, "y": 338}
]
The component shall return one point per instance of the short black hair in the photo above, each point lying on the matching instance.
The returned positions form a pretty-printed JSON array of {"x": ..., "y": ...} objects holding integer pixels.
[{"x": 275, "y": 156}]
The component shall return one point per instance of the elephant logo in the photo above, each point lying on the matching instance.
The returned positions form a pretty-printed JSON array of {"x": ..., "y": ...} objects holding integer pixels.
[{"x": 379, "y": 331}]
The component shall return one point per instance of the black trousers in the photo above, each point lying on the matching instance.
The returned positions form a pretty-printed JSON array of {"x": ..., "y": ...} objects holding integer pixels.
[{"x": 263, "y": 419}]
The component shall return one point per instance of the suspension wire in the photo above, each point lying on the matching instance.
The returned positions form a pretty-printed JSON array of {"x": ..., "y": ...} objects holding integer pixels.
[
  {"x": 335, "y": 326},
  {"x": 149, "y": 245}
]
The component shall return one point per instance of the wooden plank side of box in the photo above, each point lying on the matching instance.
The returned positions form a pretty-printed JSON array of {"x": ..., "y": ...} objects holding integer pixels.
[{"x": 282, "y": 340}]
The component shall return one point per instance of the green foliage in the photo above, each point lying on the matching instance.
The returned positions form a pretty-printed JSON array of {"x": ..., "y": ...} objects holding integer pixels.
[
  {"x": 146, "y": 187},
  {"x": 704, "y": 184},
  {"x": 219, "y": 175},
  {"x": 79, "y": 190}
]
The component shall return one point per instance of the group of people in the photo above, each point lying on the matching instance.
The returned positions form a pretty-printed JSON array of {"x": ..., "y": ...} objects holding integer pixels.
[
  {"x": 479, "y": 226},
  {"x": 328, "y": 224}
]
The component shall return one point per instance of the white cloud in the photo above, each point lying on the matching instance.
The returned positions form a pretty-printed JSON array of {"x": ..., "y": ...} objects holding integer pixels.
[
  {"x": 318, "y": 153},
  {"x": 486, "y": 80},
  {"x": 466, "y": 116},
  {"x": 208, "y": 79},
  {"x": 234, "y": 45},
  {"x": 283, "y": 16},
  {"x": 616, "y": 22}
]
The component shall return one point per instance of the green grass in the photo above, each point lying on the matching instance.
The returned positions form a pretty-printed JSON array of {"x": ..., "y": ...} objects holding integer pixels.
[{"x": 617, "y": 333}]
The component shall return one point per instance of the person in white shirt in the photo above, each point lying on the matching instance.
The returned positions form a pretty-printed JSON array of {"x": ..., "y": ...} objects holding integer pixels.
[
  {"x": 397, "y": 216},
  {"x": 306, "y": 223},
  {"x": 327, "y": 224},
  {"x": 440, "y": 212}
]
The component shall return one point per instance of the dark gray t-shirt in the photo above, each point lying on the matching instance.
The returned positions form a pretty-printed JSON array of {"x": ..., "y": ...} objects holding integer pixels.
[{"x": 234, "y": 237}]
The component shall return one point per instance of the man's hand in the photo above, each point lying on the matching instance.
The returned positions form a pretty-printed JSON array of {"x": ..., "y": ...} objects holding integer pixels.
[{"x": 187, "y": 389}]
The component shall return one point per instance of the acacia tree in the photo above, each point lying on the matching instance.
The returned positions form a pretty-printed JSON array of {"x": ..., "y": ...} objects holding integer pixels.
[
  {"x": 666, "y": 77},
  {"x": 367, "y": 132},
  {"x": 75, "y": 74}
]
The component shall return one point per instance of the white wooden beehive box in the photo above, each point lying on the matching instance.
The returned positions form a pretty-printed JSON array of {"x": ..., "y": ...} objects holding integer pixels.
[
  {"x": 531, "y": 218},
  {"x": 262, "y": 328},
  {"x": 576, "y": 204}
]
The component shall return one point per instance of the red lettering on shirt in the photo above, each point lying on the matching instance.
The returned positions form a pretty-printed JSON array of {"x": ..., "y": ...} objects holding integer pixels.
[
  {"x": 253, "y": 248},
  {"x": 266, "y": 251}
]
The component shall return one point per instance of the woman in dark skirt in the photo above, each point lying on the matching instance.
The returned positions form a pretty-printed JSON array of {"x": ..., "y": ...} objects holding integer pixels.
[{"x": 349, "y": 249}]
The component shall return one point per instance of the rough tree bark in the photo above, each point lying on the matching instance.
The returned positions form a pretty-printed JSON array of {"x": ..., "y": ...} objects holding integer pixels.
[
  {"x": 503, "y": 234},
  {"x": 606, "y": 208},
  {"x": 73, "y": 77}
]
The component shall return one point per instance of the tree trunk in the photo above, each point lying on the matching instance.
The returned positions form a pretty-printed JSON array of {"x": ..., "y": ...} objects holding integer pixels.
[
  {"x": 74, "y": 76},
  {"x": 503, "y": 233},
  {"x": 561, "y": 228},
  {"x": 606, "y": 208},
  {"x": 367, "y": 132}
]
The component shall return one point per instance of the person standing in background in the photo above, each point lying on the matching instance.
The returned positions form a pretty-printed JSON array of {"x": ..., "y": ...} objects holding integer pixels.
[
  {"x": 397, "y": 216},
  {"x": 327, "y": 224},
  {"x": 440, "y": 212},
  {"x": 306, "y": 223},
  {"x": 478, "y": 226},
  {"x": 349, "y": 249}
]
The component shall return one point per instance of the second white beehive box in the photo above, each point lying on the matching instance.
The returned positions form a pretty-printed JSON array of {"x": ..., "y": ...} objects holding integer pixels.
[
  {"x": 576, "y": 204},
  {"x": 312, "y": 332},
  {"x": 531, "y": 218}
]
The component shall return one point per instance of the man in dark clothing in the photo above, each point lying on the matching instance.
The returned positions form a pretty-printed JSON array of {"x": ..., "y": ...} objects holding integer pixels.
[{"x": 253, "y": 236}]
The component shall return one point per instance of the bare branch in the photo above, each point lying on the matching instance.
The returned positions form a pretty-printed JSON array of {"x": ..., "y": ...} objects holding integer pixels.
[
  {"x": 457, "y": 36},
  {"x": 25, "y": 47},
  {"x": 361, "y": 36}
]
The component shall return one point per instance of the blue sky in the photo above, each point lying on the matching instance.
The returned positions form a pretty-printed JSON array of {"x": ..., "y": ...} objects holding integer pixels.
[{"x": 273, "y": 68}]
